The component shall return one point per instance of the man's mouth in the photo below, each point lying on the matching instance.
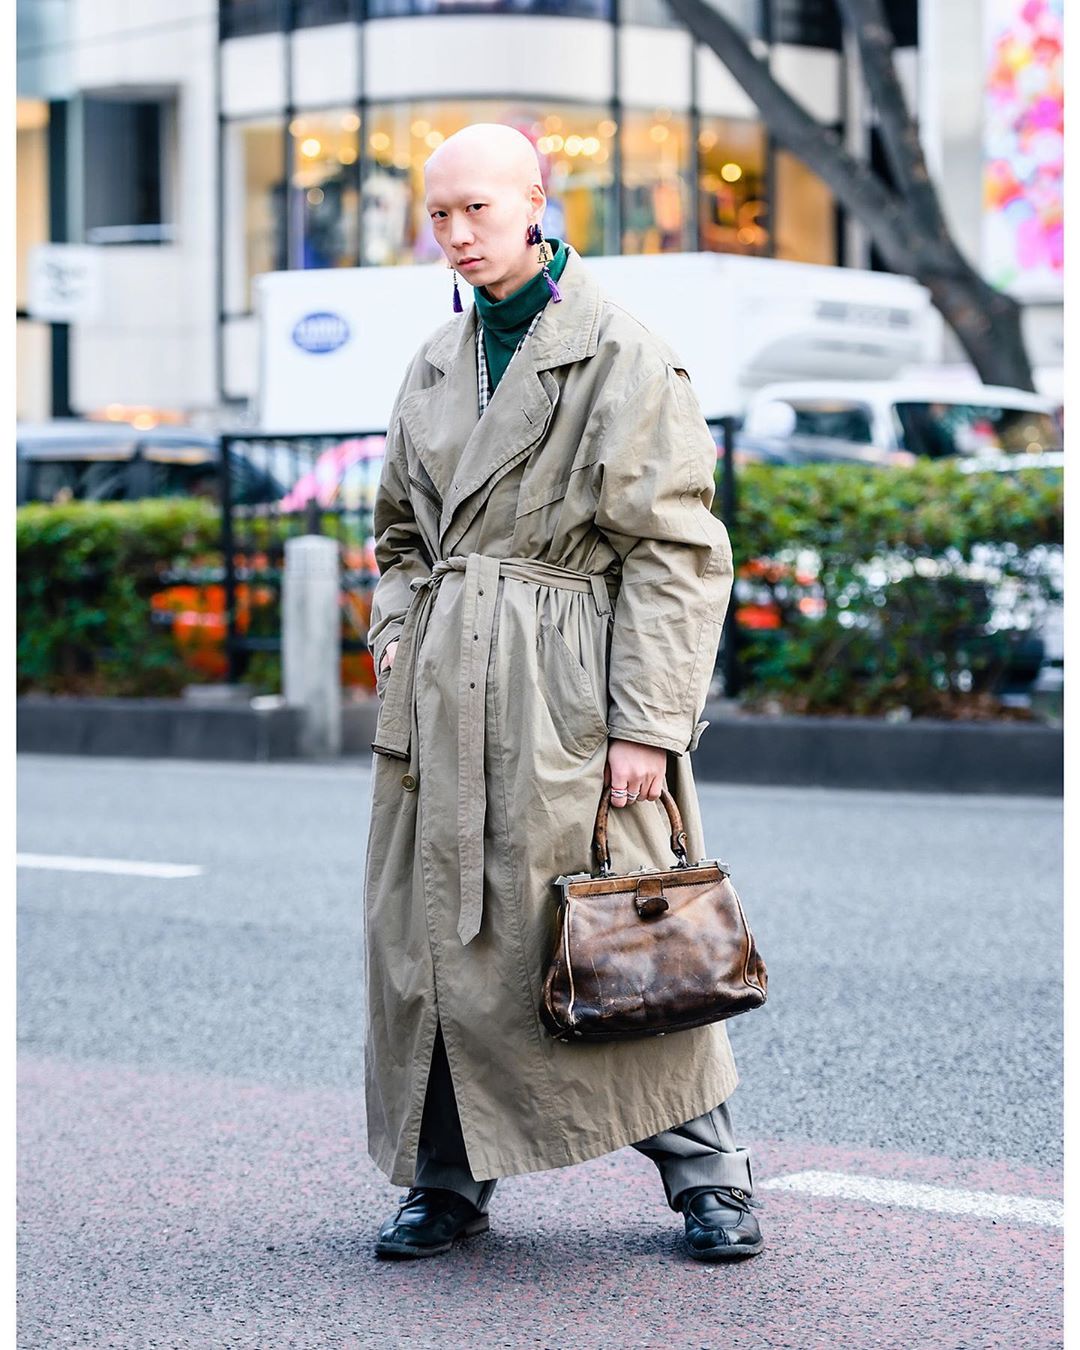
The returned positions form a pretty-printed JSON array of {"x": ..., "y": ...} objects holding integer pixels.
[{"x": 468, "y": 262}]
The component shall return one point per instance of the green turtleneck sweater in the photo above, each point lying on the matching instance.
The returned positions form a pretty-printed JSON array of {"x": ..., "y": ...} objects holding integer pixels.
[{"x": 506, "y": 320}]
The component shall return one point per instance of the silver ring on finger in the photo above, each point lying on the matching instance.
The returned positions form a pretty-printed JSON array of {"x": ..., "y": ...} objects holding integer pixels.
[{"x": 632, "y": 796}]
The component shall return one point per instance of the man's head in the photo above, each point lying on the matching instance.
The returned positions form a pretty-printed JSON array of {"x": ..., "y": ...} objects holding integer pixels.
[{"x": 484, "y": 190}]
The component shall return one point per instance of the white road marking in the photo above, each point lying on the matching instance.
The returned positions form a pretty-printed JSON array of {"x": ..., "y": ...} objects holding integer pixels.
[
  {"x": 916, "y": 1195},
  {"x": 119, "y": 866}
]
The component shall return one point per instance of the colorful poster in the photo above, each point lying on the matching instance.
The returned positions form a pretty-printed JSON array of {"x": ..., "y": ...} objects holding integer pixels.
[{"x": 1023, "y": 144}]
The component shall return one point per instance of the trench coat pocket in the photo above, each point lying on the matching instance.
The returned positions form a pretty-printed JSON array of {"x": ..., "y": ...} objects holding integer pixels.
[
  {"x": 545, "y": 495},
  {"x": 543, "y": 491},
  {"x": 382, "y": 676},
  {"x": 569, "y": 693}
]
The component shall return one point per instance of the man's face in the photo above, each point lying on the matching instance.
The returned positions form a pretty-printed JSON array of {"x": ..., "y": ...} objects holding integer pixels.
[{"x": 479, "y": 221}]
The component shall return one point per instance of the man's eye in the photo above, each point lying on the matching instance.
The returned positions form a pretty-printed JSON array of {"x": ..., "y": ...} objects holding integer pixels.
[{"x": 478, "y": 205}]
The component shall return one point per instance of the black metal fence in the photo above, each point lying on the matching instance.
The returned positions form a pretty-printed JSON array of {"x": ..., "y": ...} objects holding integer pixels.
[{"x": 275, "y": 487}]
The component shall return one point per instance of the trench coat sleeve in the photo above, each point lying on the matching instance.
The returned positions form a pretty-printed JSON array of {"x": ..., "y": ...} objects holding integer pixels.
[
  {"x": 399, "y": 547},
  {"x": 656, "y": 489}
]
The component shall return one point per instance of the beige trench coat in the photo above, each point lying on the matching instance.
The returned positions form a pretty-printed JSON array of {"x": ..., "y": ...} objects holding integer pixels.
[{"x": 591, "y": 469}]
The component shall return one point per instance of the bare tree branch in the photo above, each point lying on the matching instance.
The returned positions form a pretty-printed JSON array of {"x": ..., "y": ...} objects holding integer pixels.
[
  {"x": 897, "y": 125},
  {"x": 907, "y": 224}
]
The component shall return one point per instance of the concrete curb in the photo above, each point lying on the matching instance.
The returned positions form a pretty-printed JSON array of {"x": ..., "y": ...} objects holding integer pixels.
[
  {"x": 864, "y": 752},
  {"x": 152, "y": 728},
  {"x": 846, "y": 752}
]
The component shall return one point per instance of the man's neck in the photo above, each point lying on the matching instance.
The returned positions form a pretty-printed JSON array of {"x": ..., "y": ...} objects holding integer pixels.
[{"x": 499, "y": 290}]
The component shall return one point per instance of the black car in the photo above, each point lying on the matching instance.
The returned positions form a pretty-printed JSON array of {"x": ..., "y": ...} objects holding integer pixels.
[{"x": 114, "y": 462}]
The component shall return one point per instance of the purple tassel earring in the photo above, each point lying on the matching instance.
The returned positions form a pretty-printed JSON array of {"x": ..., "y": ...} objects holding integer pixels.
[
  {"x": 458, "y": 308},
  {"x": 535, "y": 235}
]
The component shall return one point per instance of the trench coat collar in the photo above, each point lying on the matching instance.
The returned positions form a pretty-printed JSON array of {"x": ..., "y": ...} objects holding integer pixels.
[{"x": 465, "y": 454}]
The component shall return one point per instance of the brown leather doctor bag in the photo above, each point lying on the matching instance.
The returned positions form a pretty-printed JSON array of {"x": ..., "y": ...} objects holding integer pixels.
[{"x": 652, "y": 951}]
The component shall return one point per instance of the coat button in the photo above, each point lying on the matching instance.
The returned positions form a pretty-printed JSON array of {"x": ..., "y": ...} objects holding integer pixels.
[{"x": 409, "y": 783}]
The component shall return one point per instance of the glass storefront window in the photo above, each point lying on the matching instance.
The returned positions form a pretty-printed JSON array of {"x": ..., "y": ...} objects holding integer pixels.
[
  {"x": 657, "y": 210},
  {"x": 241, "y": 18},
  {"x": 324, "y": 198},
  {"x": 575, "y": 146},
  {"x": 587, "y": 9},
  {"x": 804, "y": 211},
  {"x": 745, "y": 14},
  {"x": 310, "y": 13},
  {"x": 254, "y": 206},
  {"x": 732, "y": 206},
  {"x": 647, "y": 13}
]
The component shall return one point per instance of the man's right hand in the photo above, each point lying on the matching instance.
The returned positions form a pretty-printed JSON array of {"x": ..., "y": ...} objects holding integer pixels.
[{"x": 388, "y": 655}]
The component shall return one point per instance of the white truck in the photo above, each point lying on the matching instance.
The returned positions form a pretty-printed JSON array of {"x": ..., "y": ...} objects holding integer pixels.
[{"x": 333, "y": 345}]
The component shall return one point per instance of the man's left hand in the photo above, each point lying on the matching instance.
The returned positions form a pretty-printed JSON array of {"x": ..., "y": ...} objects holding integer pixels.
[{"x": 634, "y": 771}]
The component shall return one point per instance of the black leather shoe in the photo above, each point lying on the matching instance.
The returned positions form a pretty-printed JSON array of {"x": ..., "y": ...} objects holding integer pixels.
[
  {"x": 428, "y": 1223},
  {"x": 719, "y": 1225}
]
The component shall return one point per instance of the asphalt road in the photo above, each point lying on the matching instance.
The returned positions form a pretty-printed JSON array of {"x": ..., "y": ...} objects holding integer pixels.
[{"x": 192, "y": 1166}]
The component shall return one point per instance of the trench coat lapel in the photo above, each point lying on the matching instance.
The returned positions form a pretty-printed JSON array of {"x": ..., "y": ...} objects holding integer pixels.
[
  {"x": 465, "y": 454},
  {"x": 440, "y": 418}
]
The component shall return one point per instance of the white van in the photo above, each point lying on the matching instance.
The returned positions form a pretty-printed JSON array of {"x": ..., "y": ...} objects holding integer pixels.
[{"x": 896, "y": 418}]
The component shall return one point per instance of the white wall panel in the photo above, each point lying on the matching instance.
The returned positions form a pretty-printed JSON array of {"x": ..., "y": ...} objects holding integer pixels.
[
  {"x": 241, "y": 343},
  {"x": 810, "y": 75},
  {"x": 654, "y": 68},
  {"x": 326, "y": 65},
  {"x": 719, "y": 94},
  {"x": 253, "y": 74},
  {"x": 473, "y": 55},
  {"x": 154, "y": 341},
  {"x": 906, "y": 61}
]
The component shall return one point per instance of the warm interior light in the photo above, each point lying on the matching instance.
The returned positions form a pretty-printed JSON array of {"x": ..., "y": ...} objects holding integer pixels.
[
  {"x": 731, "y": 173},
  {"x": 420, "y": 127},
  {"x": 311, "y": 147},
  {"x": 434, "y": 138},
  {"x": 347, "y": 155},
  {"x": 379, "y": 140},
  {"x": 607, "y": 127},
  {"x": 144, "y": 421},
  {"x": 658, "y": 133},
  {"x": 350, "y": 122},
  {"x": 707, "y": 140}
]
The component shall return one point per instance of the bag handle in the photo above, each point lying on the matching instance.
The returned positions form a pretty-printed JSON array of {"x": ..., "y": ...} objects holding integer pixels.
[{"x": 600, "y": 836}]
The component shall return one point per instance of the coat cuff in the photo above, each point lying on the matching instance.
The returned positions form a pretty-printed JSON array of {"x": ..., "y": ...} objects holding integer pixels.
[{"x": 649, "y": 736}]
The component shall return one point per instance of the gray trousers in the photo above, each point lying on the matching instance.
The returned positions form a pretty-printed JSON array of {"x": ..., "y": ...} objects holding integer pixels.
[{"x": 701, "y": 1152}]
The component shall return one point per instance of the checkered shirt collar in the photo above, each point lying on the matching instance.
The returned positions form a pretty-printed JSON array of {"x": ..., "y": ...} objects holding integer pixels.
[{"x": 483, "y": 379}]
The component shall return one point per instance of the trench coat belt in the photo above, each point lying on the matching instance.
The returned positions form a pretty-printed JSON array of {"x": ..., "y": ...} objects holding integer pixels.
[{"x": 394, "y": 729}]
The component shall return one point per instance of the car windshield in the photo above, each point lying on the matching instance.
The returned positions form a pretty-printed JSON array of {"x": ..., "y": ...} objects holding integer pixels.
[
  {"x": 941, "y": 429},
  {"x": 834, "y": 418}
]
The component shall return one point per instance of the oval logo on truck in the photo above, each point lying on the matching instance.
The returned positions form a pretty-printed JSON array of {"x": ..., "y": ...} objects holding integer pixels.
[{"x": 321, "y": 332}]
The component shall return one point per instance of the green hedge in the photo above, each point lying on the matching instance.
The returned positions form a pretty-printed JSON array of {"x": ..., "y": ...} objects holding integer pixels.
[
  {"x": 903, "y": 570},
  {"x": 85, "y": 573},
  {"x": 919, "y": 631}
]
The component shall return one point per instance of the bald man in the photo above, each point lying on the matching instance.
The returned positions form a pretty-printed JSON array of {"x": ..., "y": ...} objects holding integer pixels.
[{"x": 552, "y": 588}]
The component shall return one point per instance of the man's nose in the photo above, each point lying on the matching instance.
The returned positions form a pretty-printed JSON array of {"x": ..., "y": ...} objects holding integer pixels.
[{"x": 461, "y": 231}]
